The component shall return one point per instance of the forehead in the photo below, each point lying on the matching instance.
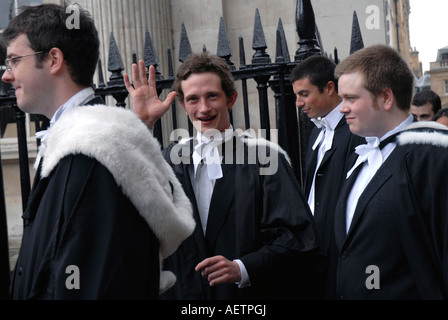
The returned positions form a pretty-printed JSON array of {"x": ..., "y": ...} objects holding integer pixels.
[
  {"x": 303, "y": 84},
  {"x": 18, "y": 46},
  {"x": 202, "y": 81},
  {"x": 426, "y": 107},
  {"x": 349, "y": 82}
]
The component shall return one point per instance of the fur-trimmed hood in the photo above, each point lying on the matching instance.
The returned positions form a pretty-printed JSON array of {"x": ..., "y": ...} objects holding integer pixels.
[
  {"x": 123, "y": 144},
  {"x": 425, "y": 132}
]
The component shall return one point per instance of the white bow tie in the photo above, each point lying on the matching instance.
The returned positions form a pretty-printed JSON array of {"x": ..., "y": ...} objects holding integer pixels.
[
  {"x": 327, "y": 133},
  {"x": 207, "y": 150},
  {"x": 320, "y": 122},
  {"x": 370, "y": 152}
]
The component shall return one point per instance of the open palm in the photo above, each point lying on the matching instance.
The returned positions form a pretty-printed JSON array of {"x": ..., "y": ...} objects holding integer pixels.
[{"x": 143, "y": 91}]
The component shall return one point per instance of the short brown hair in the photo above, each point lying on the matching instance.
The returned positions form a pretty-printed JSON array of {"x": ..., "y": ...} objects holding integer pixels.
[
  {"x": 382, "y": 67},
  {"x": 205, "y": 62}
]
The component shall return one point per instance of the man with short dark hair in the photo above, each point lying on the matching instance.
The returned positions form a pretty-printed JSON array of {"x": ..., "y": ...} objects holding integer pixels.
[
  {"x": 330, "y": 143},
  {"x": 425, "y": 105},
  {"x": 105, "y": 209},
  {"x": 255, "y": 238}
]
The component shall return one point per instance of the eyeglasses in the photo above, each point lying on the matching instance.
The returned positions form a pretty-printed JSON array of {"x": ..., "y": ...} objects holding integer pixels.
[{"x": 12, "y": 62}]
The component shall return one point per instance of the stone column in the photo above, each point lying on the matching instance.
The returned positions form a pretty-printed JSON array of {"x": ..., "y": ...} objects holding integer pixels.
[{"x": 128, "y": 20}]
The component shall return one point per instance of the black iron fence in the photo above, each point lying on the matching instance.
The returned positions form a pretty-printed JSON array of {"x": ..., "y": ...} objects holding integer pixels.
[{"x": 269, "y": 74}]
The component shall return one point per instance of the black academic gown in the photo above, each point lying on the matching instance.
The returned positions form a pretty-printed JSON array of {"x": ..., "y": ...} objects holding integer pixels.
[
  {"x": 400, "y": 226},
  {"x": 329, "y": 179},
  {"x": 262, "y": 220},
  {"x": 78, "y": 216}
]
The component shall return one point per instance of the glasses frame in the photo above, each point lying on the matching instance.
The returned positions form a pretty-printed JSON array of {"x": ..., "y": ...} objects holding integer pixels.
[{"x": 7, "y": 65}]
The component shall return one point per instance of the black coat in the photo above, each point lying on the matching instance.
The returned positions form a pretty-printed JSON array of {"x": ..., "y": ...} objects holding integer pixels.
[
  {"x": 400, "y": 225},
  {"x": 105, "y": 208},
  {"x": 263, "y": 220},
  {"x": 79, "y": 216},
  {"x": 329, "y": 177}
]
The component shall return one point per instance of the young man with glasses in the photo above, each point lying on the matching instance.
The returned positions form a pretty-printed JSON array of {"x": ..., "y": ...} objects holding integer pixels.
[{"x": 103, "y": 199}]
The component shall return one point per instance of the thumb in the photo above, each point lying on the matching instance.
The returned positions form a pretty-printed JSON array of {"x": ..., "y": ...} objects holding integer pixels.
[{"x": 170, "y": 98}]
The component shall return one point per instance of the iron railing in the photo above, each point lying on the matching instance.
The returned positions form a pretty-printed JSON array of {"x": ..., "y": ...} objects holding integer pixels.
[{"x": 293, "y": 126}]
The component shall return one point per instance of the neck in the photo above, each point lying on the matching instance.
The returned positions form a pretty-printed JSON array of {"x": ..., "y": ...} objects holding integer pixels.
[
  {"x": 334, "y": 102},
  {"x": 395, "y": 120},
  {"x": 63, "y": 95}
]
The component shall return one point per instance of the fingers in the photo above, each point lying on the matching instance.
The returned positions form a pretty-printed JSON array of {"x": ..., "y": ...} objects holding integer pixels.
[
  {"x": 143, "y": 92},
  {"x": 142, "y": 72},
  {"x": 127, "y": 83},
  {"x": 219, "y": 270},
  {"x": 138, "y": 76},
  {"x": 135, "y": 75}
]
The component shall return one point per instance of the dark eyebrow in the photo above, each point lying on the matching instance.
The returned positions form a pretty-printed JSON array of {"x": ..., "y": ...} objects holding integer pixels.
[{"x": 190, "y": 96}]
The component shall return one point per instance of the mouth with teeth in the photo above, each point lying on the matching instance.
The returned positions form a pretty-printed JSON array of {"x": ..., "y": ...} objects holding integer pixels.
[{"x": 207, "y": 120}]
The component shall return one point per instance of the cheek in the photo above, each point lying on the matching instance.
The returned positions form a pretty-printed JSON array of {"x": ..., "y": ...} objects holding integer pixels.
[
  {"x": 189, "y": 110},
  {"x": 317, "y": 102},
  {"x": 367, "y": 115}
]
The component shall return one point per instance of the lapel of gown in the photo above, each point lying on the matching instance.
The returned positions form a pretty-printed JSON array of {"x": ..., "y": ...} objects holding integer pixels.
[
  {"x": 221, "y": 203},
  {"x": 341, "y": 210},
  {"x": 383, "y": 174},
  {"x": 182, "y": 173},
  {"x": 222, "y": 196}
]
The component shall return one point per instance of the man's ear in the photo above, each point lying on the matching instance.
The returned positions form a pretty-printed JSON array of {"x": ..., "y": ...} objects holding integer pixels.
[
  {"x": 56, "y": 60},
  {"x": 388, "y": 99},
  {"x": 331, "y": 87},
  {"x": 232, "y": 100}
]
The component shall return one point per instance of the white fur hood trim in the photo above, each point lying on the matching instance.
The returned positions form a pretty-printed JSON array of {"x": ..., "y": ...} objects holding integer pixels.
[
  {"x": 425, "y": 132},
  {"x": 252, "y": 141},
  {"x": 122, "y": 143}
]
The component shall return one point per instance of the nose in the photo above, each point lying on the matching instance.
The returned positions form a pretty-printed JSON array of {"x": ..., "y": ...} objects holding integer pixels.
[
  {"x": 7, "y": 76},
  {"x": 344, "y": 108},
  {"x": 299, "y": 102},
  {"x": 203, "y": 105}
]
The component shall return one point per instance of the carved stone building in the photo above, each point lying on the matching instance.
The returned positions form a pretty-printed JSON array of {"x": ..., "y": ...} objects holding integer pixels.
[{"x": 438, "y": 73}]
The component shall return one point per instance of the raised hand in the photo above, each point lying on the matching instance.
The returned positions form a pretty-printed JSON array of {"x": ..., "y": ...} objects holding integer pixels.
[{"x": 143, "y": 92}]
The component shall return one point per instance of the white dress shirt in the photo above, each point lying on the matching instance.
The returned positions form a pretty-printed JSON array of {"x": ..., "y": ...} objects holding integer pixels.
[
  {"x": 206, "y": 170},
  {"x": 324, "y": 141}
]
